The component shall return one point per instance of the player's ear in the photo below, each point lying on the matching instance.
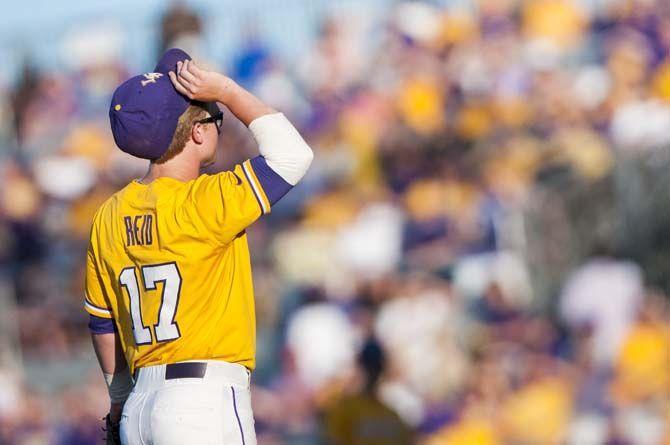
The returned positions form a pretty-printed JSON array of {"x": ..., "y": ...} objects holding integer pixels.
[{"x": 198, "y": 133}]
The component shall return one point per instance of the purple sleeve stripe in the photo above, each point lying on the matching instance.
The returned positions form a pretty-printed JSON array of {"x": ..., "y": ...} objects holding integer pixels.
[
  {"x": 251, "y": 184},
  {"x": 274, "y": 186},
  {"x": 99, "y": 325}
]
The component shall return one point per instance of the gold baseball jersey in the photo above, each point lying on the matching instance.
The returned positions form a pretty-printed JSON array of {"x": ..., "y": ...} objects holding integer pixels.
[{"x": 169, "y": 262}]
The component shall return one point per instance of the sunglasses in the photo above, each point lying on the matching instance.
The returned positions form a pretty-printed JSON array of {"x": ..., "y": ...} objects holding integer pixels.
[{"x": 217, "y": 119}]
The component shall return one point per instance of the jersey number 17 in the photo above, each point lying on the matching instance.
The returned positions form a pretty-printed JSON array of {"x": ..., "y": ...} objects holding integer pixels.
[{"x": 166, "y": 329}]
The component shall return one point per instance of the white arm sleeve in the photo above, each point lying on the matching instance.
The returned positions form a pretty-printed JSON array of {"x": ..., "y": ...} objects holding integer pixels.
[{"x": 284, "y": 150}]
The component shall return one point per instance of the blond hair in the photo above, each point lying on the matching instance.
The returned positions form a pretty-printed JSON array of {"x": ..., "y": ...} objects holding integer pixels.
[{"x": 182, "y": 133}]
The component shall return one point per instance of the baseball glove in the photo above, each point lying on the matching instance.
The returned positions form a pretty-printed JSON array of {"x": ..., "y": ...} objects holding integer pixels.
[{"x": 111, "y": 430}]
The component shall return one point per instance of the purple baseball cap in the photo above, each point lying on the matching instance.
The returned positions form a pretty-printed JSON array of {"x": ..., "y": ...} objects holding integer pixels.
[{"x": 145, "y": 109}]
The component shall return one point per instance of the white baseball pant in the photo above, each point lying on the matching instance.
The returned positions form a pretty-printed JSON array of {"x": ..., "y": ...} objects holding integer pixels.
[{"x": 200, "y": 402}]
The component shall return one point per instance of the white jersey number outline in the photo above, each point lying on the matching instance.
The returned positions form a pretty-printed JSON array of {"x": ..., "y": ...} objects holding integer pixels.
[{"x": 166, "y": 329}]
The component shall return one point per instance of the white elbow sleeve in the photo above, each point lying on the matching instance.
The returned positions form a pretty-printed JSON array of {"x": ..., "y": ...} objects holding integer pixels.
[
  {"x": 284, "y": 150},
  {"x": 119, "y": 385}
]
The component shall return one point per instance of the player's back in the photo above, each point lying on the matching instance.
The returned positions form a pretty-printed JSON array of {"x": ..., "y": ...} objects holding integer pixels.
[{"x": 173, "y": 268}]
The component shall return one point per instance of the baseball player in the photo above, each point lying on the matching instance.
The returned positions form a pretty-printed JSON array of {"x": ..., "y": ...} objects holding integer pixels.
[{"x": 168, "y": 278}]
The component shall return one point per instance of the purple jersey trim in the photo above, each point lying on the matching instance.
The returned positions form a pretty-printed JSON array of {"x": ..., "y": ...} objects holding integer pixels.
[
  {"x": 274, "y": 186},
  {"x": 99, "y": 325},
  {"x": 258, "y": 198},
  {"x": 104, "y": 309}
]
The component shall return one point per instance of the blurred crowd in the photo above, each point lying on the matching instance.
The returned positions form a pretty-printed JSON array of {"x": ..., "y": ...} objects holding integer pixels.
[{"x": 399, "y": 298}]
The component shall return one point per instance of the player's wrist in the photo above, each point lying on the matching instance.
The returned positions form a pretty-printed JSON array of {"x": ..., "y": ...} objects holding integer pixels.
[
  {"x": 119, "y": 385},
  {"x": 227, "y": 89}
]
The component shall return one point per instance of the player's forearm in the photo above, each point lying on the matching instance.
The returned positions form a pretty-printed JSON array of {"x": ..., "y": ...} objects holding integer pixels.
[
  {"x": 243, "y": 104},
  {"x": 114, "y": 368},
  {"x": 284, "y": 150},
  {"x": 108, "y": 350}
]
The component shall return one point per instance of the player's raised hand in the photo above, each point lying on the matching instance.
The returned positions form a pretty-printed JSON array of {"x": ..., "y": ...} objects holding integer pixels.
[{"x": 199, "y": 84}]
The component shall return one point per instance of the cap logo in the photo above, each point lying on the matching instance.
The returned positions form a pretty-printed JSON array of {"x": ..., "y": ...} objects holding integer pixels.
[{"x": 151, "y": 78}]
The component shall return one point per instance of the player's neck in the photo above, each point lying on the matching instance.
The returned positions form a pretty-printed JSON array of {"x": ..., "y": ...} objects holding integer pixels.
[{"x": 182, "y": 168}]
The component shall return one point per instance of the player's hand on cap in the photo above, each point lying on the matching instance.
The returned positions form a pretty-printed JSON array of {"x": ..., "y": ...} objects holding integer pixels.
[{"x": 199, "y": 84}]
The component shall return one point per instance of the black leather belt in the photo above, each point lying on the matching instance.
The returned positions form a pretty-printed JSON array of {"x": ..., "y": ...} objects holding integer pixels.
[{"x": 188, "y": 370}]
